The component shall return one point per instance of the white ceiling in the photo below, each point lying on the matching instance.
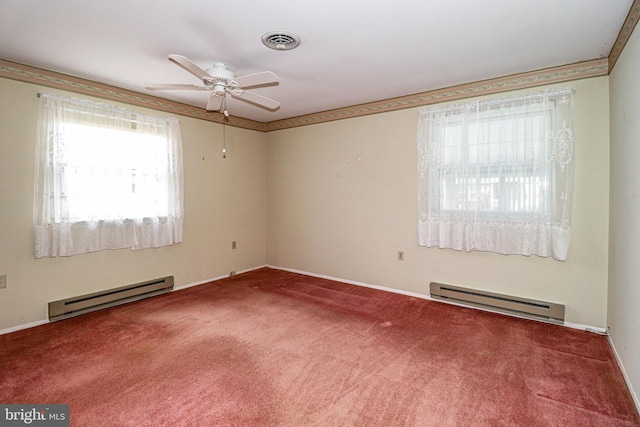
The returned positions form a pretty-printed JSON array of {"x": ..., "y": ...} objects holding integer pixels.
[{"x": 352, "y": 52}]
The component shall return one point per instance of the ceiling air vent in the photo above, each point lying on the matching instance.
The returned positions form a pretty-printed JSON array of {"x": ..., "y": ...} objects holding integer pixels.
[{"x": 281, "y": 40}]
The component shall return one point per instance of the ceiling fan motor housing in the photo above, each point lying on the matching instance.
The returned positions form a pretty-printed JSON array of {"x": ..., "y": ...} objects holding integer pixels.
[{"x": 220, "y": 72}]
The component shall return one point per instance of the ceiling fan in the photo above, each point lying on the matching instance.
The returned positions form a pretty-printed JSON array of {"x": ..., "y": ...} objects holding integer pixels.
[{"x": 219, "y": 80}]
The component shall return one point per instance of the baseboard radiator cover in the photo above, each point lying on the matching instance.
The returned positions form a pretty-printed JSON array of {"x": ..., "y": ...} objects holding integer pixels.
[
  {"x": 88, "y": 303},
  {"x": 532, "y": 309}
]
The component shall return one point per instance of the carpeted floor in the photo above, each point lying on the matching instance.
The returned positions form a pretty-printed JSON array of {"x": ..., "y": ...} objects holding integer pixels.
[{"x": 273, "y": 348}]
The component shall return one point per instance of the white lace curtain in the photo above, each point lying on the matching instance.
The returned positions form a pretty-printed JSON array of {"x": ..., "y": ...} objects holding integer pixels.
[
  {"x": 497, "y": 175},
  {"x": 106, "y": 178}
]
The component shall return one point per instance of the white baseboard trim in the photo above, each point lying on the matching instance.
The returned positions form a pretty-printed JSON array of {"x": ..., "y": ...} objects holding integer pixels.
[
  {"x": 352, "y": 282},
  {"x": 588, "y": 328},
  {"x": 627, "y": 380},
  {"x": 595, "y": 329},
  {"x": 214, "y": 279},
  {"x": 24, "y": 326}
]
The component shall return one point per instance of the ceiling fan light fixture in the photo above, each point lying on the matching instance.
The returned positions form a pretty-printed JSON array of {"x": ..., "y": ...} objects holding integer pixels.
[{"x": 280, "y": 40}]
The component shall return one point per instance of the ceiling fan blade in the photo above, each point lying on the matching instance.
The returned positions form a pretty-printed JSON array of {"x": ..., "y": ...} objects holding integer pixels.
[
  {"x": 258, "y": 79},
  {"x": 254, "y": 98},
  {"x": 175, "y": 87},
  {"x": 185, "y": 63},
  {"x": 215, "y": 102}
]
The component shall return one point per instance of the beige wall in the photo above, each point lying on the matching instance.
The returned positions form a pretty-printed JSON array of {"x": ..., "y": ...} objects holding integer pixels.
[
  {"x": 342, "y": 201},
  {"x": 225, "y": 200},
  {"x": 336, "y": 199},
  {"x": 624, "y": 267}
]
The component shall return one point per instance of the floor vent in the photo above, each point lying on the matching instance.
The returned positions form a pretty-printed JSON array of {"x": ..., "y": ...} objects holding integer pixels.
[
  {"x": 75, "y": 306},
  {"x": 532, "y": 309}
]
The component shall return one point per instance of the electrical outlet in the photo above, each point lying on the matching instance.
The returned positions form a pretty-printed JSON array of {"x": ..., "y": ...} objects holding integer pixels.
[
  {"x": 400, "y": 255},
  {"x": 3, "y": 281},
  {"x": 233, "y": 244}
]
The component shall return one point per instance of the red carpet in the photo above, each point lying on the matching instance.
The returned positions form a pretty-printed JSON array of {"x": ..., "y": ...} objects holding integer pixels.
[{"x": 272, "y": 348}]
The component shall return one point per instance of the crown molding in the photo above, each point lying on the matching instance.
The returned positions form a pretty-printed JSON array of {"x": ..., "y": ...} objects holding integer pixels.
[
  {"x": 25, "y": 73},
  {"x": 625, "y": 33},
  {"x": 594, "y": 68},
  {"x": 52, "y": 79}
]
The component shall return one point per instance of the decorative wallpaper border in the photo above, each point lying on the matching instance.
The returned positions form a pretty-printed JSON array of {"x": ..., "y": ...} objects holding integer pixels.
[
  {"x": 564, "y": 73},
  {"x": 625, "y": 33},
  {"x": 69, "y": 83},
  {"x": 598, "y": 67}
]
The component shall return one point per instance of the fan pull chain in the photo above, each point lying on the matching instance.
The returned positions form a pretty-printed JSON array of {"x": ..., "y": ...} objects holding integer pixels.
[{"x": 224, "y": 129}]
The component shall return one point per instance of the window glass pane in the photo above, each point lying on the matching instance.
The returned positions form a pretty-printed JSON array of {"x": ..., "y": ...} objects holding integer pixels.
[
  {"x": 500, "y": 158},
  {"x": 115, "y": 174}
]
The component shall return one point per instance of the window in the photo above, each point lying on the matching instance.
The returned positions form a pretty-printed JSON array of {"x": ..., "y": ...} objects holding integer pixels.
[
  {"x": 106, "y": 178},
  {"x": 497, "y": 175},
  {"x": 500, "y": 177},
  {"x": 104, "y": 184}
]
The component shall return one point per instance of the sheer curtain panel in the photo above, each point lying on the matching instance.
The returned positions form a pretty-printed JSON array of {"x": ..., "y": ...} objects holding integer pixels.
[
  {"x": 106, "y": 178},
  {"x": 497, "y": 175}
]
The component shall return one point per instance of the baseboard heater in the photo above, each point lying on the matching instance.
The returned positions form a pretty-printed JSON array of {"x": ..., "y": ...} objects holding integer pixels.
[
  {"x": 546, "y": 311},
  {"x": 75, "y": 306}
]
